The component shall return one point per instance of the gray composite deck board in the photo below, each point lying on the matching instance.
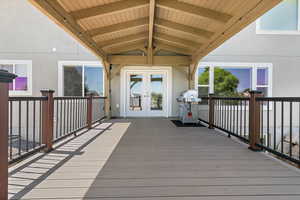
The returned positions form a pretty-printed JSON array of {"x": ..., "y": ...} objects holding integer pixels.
[{"x": 156, "y": 160}]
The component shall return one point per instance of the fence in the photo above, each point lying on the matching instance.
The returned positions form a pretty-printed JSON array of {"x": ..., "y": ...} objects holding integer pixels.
[
  {"x": 268, "y": 124},
  {"x": 31, "y": 124},
  {"x": 35, "y": 123},
  {"x": 24, "y": 126}
]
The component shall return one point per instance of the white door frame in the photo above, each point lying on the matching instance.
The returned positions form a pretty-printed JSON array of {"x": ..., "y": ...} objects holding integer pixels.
[{"x": 123, "y": 85}]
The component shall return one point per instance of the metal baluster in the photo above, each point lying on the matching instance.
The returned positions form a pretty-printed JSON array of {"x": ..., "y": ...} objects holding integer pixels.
[
  {"x": 64, "y": 117},
  {"x": 237, "y": 117},
  {"x": 40, "y": 123},
  {"x": 27, "y": 124},
  {"x": 241, "y": 117},
  {"x": 274, "y": 137},
  {"x": 262, "y": 122},
  {"x": 20, "y": 118},
  {"x": 268, "y": 123},
  {"x": 245, "y": 118},
  {"x": 282, "y": 125},
  {"x": 291, "y": 126},
  {"x": 11, "y": 129},
  {"x": 56, "y": 121},
  {"x": 61, "y": 117},
  {"x": 33, "y": 126}
]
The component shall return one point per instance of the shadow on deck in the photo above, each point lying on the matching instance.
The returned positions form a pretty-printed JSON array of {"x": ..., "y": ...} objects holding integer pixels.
[{"x": 153, "y": 160}]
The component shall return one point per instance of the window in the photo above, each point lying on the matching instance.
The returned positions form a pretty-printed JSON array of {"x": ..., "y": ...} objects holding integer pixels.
[
  {"x": 23, "y": 69},
  {"x": 282, "y": 19},
  {"x": 233, "y": 79},
  {"x": 81, "y": 78},
  {"x": 203, "y": 81}
]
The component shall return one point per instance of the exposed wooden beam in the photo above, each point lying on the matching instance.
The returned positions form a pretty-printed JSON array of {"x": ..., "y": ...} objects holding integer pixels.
[
  {"x": 172, "y": 60},
  {"x": 119, "y": 27},
  {"x": 137, "y": 45},
  {"x": 110, "y": 8},
  {"x": 121, "y": 40},
  {"x": 163, "y": 45},
  {"x": 177, "y": 40},
  {"x": 236, "y": 26},
  {"x": 54, "y": 11},
  {"x": 184, "y": 28},
  {"x": 194, "y": 10},
  {"x": 143, "y": 60},
  {"x": 151, "y": 29},
  {"x": 151, "y": 21}
]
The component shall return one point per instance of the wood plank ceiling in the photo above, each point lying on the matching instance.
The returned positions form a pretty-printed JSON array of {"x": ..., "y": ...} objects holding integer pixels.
[{"x": 190, "y": 28}]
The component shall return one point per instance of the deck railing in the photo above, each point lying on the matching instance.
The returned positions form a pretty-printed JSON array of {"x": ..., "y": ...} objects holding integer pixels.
[
  {"x": 70, "y": 116},
  {"x": 31, "y": 124},
  {"x": 24, "y": 126},
  {"x": 269, "y": 124},
  {"x": 36, "y": 123}
]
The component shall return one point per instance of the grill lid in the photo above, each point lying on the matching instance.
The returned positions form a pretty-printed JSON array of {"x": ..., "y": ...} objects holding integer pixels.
[{"x": 190, "y": 96}]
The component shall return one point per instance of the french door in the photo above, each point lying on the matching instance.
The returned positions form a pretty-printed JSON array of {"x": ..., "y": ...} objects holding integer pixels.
[{"x": 146, "y": 94}]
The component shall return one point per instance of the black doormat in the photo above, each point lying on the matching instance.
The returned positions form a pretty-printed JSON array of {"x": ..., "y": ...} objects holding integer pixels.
[{"x": 179, "y": 124}]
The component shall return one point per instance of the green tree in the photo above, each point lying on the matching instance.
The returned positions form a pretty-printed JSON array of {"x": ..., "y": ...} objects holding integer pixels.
[{"x": 225, "y": 82}]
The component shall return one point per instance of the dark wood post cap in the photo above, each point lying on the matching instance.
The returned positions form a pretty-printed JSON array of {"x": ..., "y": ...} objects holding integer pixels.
[
  {"x": 255, "y": 92},
  {"x": 6, "y": 77},
  {"x": 46, "y": 91}
]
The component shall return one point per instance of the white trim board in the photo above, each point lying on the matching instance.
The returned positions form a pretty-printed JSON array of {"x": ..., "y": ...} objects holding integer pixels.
[{"x": 124, "y": 70}]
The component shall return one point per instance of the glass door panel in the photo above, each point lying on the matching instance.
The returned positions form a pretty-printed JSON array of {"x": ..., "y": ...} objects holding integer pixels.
[
  {"x": 136, "y": 92},
  {"x": 156, "y": 86}
]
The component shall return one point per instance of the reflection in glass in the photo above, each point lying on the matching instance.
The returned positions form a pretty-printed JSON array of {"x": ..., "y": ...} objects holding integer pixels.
[
  {"x": 203, "y": 76},
  {"x": 21, "y": 80},
  {"x": 93, "y": 81},
  {"x": 135, "y": 101},
  {"x": 203, "y": 91},
  {"x": 283, "y": 17},
  {"x": 156, "y": 92},
  {"x": 262, "y": 76},
  {"x": 264, "y": 91},
  {"x": 232, "y": 81},
  {"x": 72, "y": 81},
  {"x": 9, "y": 68}
]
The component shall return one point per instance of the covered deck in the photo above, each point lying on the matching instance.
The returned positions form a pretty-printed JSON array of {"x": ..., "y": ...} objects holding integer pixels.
[{"x": 153, "y": 159}]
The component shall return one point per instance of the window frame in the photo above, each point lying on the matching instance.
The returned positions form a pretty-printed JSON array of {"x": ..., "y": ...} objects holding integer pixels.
[
  {"x": 259, "y": 31},
  {"x": 28, "y": 63},
  {"x": 83, "y": 64},
  {"x": 253, "y": 66}
]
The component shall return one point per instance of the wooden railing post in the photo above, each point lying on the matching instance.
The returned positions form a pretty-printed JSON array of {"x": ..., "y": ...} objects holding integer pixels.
[
  {"x": 254, "y": 121},
  {"x": 211, "y": 111},
  {"x": 90, "y": 111},
  {"x": 5, "y": 79},
  {"x": 47, "y": 119}
]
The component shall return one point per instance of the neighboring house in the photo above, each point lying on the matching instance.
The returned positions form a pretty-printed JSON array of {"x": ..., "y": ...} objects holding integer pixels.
[{"x": 264, "y": 56}]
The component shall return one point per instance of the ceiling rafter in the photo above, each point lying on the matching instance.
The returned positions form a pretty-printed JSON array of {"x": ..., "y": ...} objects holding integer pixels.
[
  {"x": 136, "y": 45},
  {"x": 162, "y": 45},
  {"x": 151, "y": 30},
  {"x": 110, "y": 8},
  {"x": 125, "y": 39},
  {"x": 142, "y": 60},
  {"x": 177, "y": 40},
  {"x": 184, "y": 28},
  {"x": 194, "y": 10},
  {"x": 119, "y": 27}
]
